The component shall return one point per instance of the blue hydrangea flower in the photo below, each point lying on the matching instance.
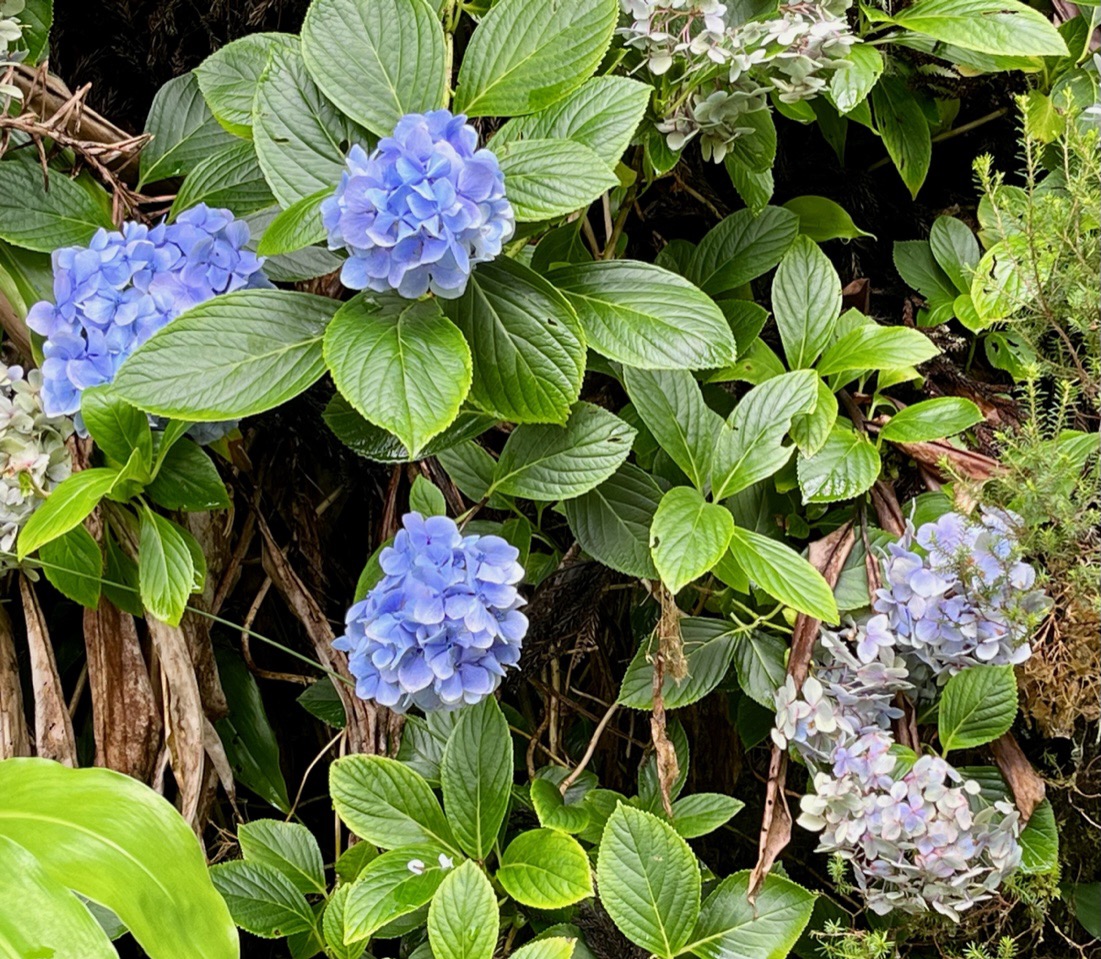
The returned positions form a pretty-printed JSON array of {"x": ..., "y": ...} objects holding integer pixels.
[
  {"x": 421, "y": 210},
  {"x": 444, "y": 622},
  {"x": 956, "y": 593},
  {"x": 116, "y": 292}
]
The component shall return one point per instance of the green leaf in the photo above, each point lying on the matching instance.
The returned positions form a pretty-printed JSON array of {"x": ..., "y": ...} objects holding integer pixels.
[
  {"x": 261, "y": 899},
  {"x": 978, "y": 705},
  {"x": 759, "y": 659},
  {"x": 471, "y": 468},
  {"x": 703, "y": 813},
  {"x": 851, "y": 83},
  {"x": 955, "y": 249},
  {"x": 602, "y": 114},
  {"x": 230, "y": 178},
  {"x": 120, "y": 568},
  {"x": 166, "y": 571},
  {"x": 375, "y": 443},
  {"x": 300, "y": 137},
  {"x": 822, "y": 219},
  {"x": 246, "y": 733},
  {"x": 552, "y": 178},
  {"x": 932, "y": 420},
  {"x": 305, "y": 263},
  {"x": 426, "y": 498},
  {"x": 188, "y": 480},
  {"x": 545, "y": 869},
  {"x": 671, "y": 406},
  {"x": 387, "y": 804},
  {"x": 75, "y": 566},
  {"x": 476, "y": 775},
  {"x": 871, "y": 347},
  {"x": 904, "y": 129},
  {"x": 1040, "y": 841},
  {"x": 811, "y": 430},
  {"x": 646, "y": 317},
  {"x": 806, "y": 301},
  {"x": 755, "y": 187},
  {"x": 269, "y": 351},
  {"x": 50, "y": 920},
  {"x": 116, "y": 427},
  {"x": 333, "y": 924},
  {"x": 750, "y": 448},
  {"x": 66, "y": 508},
  {"x": 612, "y": 521},
  {"x": 35, "y": 217},
  {"x": 401, "y": 363},
  {"x": 462, "y": 920},
  {"x": 915, "y": 264},
  {"x": 184, "y": 131},
  {"x": 784, "y": 574},
  {"x": 649, "y": 881},
  {"x": 688, "y": 536},
  {"x": 287, "y": 847},
  {"x": 228, "y": 77},
  {"x": 1087, "y": 906},
  {"x": 392, "y": 59},
  {"x": 387, "y": 889},
  {"x": 526, "y": 341},
  {"x": 1005, "y": 27},
  {"x": 741, "y": 248},
  {"x": 845, "y": 466},
  {"x": 708, "y": 650},
  {"x": 36, "y": 19},
  {"x": 527, "y": 54},
  {"x": 296, "y": 227},
  {"x": 546, "y": 462},
  {"x": 746, "y": 320},
  {"x": 556, "y": 947},
  {"x": 730, "y": 926},
  {"x": 118, "y": 843},
  {"x": 553, "y": 811},
  {"x": 322, "y": 701}
]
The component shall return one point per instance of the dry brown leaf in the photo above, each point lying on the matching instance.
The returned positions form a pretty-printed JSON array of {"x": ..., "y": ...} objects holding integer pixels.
[
  {"x": 1026, "y": 785},
  {"x": 965, "y": 462},
  {"x": 887, "y": 509},
  {"x": 14, "y": 737},
  {"x": 53, "y": 728}
]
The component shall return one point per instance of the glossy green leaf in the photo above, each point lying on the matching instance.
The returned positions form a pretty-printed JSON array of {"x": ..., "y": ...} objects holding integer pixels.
[
  {"x": 708, "y": 650},
  {"x": 230, "y": 179},
  {"x": 188, "y": 480},
  {"x": 955, "y": 249},
  {"x": 871, "y": 347},
  {"x": 527, "y": 54},
  {"x": 261, "y": 899},
  {"x": 545, "y": 869},
  {"x": 73, "y": 563},
  {"x": 184, "y": 131},
  {"x": 806, "y": 301},
  {"x": 401, "y": 363},
  {"x": 296, "y": 227},
  {"x": 116, "y": 427},
  {"x": 784, "y": 574},
  {"x": 904, "y": 129},
  {"x": 426, "y": 498},
  {"x": 845, "y": 466},
  {"x": 546, "y": 179},
  {"x": 916, "y": 265},
  {"x": 37, "y": 218},
  {"x": 1040, "y": 841},
  {"x": 333, "y": 924},
  {"x": 703, "y": 813},
  {"x": 688, "y": 536},
  {"x": 851, "y": 83},
  {"x": 387, "y": 889},
  {"x": 68, "y": 506},
  {"x": 741, "y": 248},
  {"x": 269, "y": 351},
  {"x": 463, "y": 921},
  {"x": 288, "y": 847},
  {"x": 553, "y": 810},
  {"x": 759, "y": 659},
  {"x": 556, "y": 947},
  {"x": 978, "y": 705},
  {"x": 392, "y": 59},
  {"x": 228, "y": 77},
  {"x": 1005, "y": 27},
  {"x": 932, "y": 420},
  {"x": 166, "y": 571},
  {"x": 822, "y": 219},
  {"x": 811, "y": 430}
]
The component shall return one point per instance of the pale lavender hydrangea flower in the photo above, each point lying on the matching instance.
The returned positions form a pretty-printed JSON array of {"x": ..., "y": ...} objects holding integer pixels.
[
  {"x": 444, "y": 622},
  {"x": 421, "y": 210}
]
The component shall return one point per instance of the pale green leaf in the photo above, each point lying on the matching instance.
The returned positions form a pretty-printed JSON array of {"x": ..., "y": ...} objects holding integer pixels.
[
  {"x": 228, "y": 77},
  {"x": 688, "y": 536},
  {"x": 932, "y": 420},
  {"x": 546, "y": 179},
  {"x": 545, "y": 869},
  {"x": 978, "y": 705},
  {"x": 784, "y": 574},
  {"x": 463, "y": 920},
  {"x": 845, "y": 466}
]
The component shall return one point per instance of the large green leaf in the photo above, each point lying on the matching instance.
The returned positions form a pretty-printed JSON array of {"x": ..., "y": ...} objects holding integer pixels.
[
  {"x": 268, "y": 351},
  {"x": 671, "y": 405},
  {"x": 527, "y": 344},
  {"x": 288, "y": 847},
  {"x": 116, "y": 427},
  {"x": 806, "y": 301},
  {"x": 527, "y": 54},
  {"x": 741, "y": 248},
  {"x": 545, "y": 869},
  {"x": 649, "y": 881},
  {"x": 463, "y": 921},
  {"x": 932, "y": 420},
  {"x": 386, "y": 803},
  {"x": 401, "y": 363},
  {"x": 73, "y": 563},
  {"x": 41, "y": 917},
  {"x": 300, "y": 137},
  {"x": 703, "y": 813},
  {"x": 602, "y": 114},
  {"x": 228, "y": 77},
  {"x": 68, "y": 505},
  {"x": 546, "y": 462},
  {"x": 732, "y": 927},
  {"x": 708, "y": 649},
  {"x": 845, "y": 466},
  {"x": 784, "y": 574},
  {"x": 905, "y": 130},
  {"x": 552, "y": 178},
  {"x": 612, "y": 522},
  {"x": 749, "y": 448},
  {"x": 188, "y": 480},
  {"x": 387, "y": 889},
  {"x": 759, "y": 659},
  {"x": 811, "y": 430},
  {"x": 476, "y": 775},
  {"x": 230, "y": 178},
  {"x": 1005, "y": 27},
  {"x": 1040, "y": 841},
  {"x": 644, "y": 316},
  {"x": 978, "y": 705},
  {"x": 871, "y": 347},
  {"x": 118, "y": 843},
  {"x": 37, "y": 217},
  {"x": 955, "y": 249},
  {"x": 36, "y": 18},
  {"x": 184, "y": 131},
  {"x": 857, "y": 74},
  {"x": 822, "y": 219},
  {"x": 391, "y": 58},
  {"x": 261, "y": 899},
  {"x": 166, "y": 572},
  {"x": 688, "y": 536}
]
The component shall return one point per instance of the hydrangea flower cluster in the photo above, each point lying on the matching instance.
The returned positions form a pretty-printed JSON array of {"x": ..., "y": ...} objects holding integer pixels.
[
  {"x": 733, "y": 67},
  {"x": 966, "y": 599},
  {"x": 444, "y": 622},
  {"x": 33, "y": 456},
  {"x": 916, "y": 834},
  {"x": 421, "y": 210},
  {"x": 116, "y": 292}
]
